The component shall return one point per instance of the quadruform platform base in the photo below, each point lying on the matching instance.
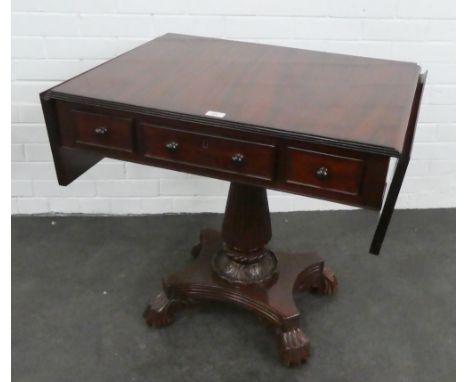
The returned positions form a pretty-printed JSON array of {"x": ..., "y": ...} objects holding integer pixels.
[{"x": 271, "y": 300}]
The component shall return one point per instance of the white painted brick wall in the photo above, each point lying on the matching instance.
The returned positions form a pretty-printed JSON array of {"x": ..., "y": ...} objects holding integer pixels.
[{"x": 53, "y": 40}]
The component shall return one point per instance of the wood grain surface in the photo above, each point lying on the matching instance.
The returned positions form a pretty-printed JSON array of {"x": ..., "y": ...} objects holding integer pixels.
[{"x": 361, "y": 100}]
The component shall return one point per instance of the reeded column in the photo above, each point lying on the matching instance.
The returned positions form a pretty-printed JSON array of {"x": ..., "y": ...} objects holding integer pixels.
[{"x": 246, "y": 230}]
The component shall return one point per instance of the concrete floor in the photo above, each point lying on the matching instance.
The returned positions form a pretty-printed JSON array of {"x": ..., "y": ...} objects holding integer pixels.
[{"x": 80, "y": 285}]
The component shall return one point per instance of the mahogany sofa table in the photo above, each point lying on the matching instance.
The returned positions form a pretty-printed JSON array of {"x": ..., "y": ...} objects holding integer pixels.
[{"x": 316, "y": 124}]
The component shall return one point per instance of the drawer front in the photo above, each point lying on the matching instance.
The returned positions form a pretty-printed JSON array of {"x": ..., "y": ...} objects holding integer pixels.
[
  {"x": 255, "y": 160},
  {"x": 101, "y": 130},
  {"x": 324, "y": 171}
]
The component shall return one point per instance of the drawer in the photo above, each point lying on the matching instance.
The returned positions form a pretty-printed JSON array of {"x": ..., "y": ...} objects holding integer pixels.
[
  {"x": 324, "y": 171},
  {"x": 251, "y": 159},
  {"x": 101, "y": 130}
]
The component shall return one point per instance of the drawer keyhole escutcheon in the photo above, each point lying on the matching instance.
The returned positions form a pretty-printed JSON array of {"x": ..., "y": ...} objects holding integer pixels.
[
  {"x": 322, "y": 173},
  {"x": 101, "y": 131},
  {"x": 172, "y": 146},
  {"x": 238, "y": 158}
]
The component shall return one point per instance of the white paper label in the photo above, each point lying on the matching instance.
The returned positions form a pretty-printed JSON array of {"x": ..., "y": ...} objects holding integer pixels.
[{"x": 216, "y": 114}]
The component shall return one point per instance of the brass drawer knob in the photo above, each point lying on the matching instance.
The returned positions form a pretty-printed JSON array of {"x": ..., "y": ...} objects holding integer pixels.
[
  {"x": 172, "y": 146},
  {"x": 322, "y": 173},
  {"x": 237, "y": 158},
  {"x": 101, "y": 131}
]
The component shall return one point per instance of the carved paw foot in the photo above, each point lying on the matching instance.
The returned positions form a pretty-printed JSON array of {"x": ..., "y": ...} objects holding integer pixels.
[
  {"x": 206, "y": 236},
  {"x": 294, "y": 347},
  {"x": 160, "y": 312},
  {"x": 329, "y": 282},
  {"x": 326, "y": 284}
]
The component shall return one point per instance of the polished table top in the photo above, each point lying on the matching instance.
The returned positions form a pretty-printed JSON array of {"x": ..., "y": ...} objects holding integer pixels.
[{"x": 336, "y": 98}]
